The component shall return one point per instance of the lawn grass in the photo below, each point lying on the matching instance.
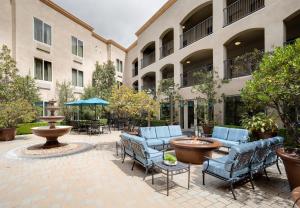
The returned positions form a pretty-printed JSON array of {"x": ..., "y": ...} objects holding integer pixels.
[{"x": 25, "y": 128}]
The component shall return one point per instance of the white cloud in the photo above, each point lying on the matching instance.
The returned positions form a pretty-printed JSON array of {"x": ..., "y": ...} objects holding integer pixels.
[{"x": 113, "y": 19}]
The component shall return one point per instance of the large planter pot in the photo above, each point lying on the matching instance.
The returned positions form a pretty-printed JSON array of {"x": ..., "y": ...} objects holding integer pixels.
[
  {"x": 291, "y": 161},
  {"x": 207, "y": 129},
  {"x": 264, "y": 135},
  {"x": 7, "y": 134}
]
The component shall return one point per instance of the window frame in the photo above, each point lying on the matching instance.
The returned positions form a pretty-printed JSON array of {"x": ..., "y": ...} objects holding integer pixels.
[
  {"x": 77, "y": 46},
  {"x": 119, "y": 65},
  {"x": 43, "y": 32},
  {"x": 77, "y": 78},
  {"x": 43, "y": 70}
]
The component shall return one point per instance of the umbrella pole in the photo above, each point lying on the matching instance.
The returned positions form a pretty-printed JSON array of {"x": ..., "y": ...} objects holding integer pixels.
[{"x": 95, "y": 112}]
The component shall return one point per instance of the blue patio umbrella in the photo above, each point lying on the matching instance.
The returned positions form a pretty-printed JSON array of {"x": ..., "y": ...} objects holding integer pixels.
[{"x": 89, "y": 102}]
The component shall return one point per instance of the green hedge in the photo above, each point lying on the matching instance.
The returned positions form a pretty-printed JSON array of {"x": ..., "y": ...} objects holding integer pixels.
[
  {"x": 144, "y": 123},
  {"x": 25, "y": 128}
]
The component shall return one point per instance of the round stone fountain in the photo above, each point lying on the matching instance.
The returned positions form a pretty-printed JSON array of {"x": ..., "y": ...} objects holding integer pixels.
[
  {"x": 51, "y": 132},
  {"x": 52, "y": 147}
]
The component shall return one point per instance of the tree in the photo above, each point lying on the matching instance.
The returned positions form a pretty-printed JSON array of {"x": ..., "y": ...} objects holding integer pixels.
[
  {"x": 65, "y": 94},
  {"x": 276, "y": 85},
  {"x": 206, "y": 84},
  {"x": 104, "y": 79},
  {"x": 126, "y": 103},
  {"x": 169, "y": 92},
  {"x": 17, "y": 94}
]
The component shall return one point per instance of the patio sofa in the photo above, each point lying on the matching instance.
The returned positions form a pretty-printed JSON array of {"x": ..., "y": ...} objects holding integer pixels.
[
  {"x": 136, "y": 148},
  {"x": 230, "y": 136},
  {"x": 243, "y": 161},
  {"x": 159, "y": 137}
]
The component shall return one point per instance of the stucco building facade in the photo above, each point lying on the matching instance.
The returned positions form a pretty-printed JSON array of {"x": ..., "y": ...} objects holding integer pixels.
[
  {"x": 183, "y": 37},
  {"x": 191, "y": 35}
]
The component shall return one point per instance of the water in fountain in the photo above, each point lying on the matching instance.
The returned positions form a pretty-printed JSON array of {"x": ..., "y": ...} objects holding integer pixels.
[{"x": 51, "y": 132}]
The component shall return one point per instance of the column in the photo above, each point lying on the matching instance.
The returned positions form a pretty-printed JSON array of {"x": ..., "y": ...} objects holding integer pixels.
[{"x": 274, "y": 35}]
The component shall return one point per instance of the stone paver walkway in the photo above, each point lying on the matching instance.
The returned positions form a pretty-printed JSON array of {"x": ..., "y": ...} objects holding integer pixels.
[{"x": 97, "y": 178}]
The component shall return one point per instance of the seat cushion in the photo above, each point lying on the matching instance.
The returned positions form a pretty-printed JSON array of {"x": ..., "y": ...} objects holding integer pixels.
[
  {"x": 175, "y": 130},
  {"x": 166, "y": 140},
  {"x": 226, "y": 143},
  {"x": 218, "y": 168},
  {"x": 148, "y": 132},
  {"x": 154, "y": 142},
  {"x": 162, "y": 132},
  {"x": 237, "y": 135},
  {"x": 220, "y": 132}
]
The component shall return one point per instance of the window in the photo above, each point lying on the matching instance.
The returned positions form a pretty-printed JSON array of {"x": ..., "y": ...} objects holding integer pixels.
[
  {"x": 77, "y": 47},
  {"x": 42, "y": 70},
  {"x": 77, "y": 78},
  {"x": 234, "y": 109},
  {"x": 119, "y": 66},
  {"x": 42, "y": 31}
]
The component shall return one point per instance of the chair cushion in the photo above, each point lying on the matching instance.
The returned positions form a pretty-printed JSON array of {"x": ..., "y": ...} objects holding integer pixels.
[
  {"x": 148, "y": 132},
  {"x": 166, "y": 140},
  {"x": 220, "y": 132},
  {"x": 226, "y": 143},
  {"x": 179, "y": 137},
  {"x": 154, "y": 142},
  {"x": 162, "y": 132},
  {"x": 237, "y": 135},
  {"x": 154, "y": 156},
  {"x": 175, "y": 130},
  {"x": 218, "y": 168}
]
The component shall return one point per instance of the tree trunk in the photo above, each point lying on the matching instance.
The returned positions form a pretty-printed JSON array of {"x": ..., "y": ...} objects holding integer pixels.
[
  {"x": 171, "y": 110},
  {"x": 149, "y": 120}
]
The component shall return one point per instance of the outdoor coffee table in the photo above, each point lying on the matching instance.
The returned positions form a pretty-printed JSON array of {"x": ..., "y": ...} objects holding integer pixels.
[
  {"x": 168, "y": 170},
  {"x": 194, "y": 150}
]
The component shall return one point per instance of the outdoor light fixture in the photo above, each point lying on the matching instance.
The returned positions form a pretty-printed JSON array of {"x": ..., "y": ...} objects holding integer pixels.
[
  {"x": 183, "y": 27},
  {"x": 188, "y": 62},
  {"x": 237, "y": 43}
]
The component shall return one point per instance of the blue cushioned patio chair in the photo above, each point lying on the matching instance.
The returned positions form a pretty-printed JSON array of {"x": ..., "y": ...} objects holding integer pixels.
[
  {"x": 261, "y": 153},
  {"x": 126, "y": 147},
  {"x": 145, "y": 156},
  {"x": 231, "y": 168},
  {"x": 272, "y": 158}
]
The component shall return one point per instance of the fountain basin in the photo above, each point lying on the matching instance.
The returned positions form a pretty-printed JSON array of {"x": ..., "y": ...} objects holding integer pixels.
[
  {"x": 52, "y": 119},
  {"x": 51, "y": 134}
]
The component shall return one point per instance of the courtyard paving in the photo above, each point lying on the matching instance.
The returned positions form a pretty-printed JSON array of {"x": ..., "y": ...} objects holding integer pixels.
[{"x": 97, "y": 178}]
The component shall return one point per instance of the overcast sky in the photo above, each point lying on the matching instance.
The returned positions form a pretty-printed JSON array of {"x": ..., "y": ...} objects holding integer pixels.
[{"x": 113, "y": 19}]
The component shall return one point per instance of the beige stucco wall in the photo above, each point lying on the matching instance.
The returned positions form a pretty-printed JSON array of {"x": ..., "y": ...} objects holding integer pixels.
[
  {"x": 270, "y": 18},
  {"x": 62, "y": 29}
]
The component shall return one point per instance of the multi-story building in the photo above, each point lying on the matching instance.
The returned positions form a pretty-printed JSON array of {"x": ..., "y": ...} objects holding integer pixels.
[
  {"x": 53, "y": 45},
  {"x": 193, "y": 35},
  {"x": 183, "y": 37}
]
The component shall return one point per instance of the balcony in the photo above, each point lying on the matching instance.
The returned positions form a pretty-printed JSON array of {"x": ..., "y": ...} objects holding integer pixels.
[
  {"x": 135, "y": 71},
  {"x": 196, "y": 33},
  {"x": 240, "y": 9},
  {"x": 167, "y": 49},
  {"x": 188, "y": 79},
  {"x": 148, "y": 59},
  {"x": 149, "y": 90},
  {"x": 242, "y": 65}
]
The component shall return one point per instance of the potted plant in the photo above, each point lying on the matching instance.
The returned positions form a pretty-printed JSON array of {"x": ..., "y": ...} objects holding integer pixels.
[
  {"x": 170, "y": 159},
  {"x": 261, "y": 126},
  {"x": 276, "y": 85},
  {"x": 17, "y": 95}
]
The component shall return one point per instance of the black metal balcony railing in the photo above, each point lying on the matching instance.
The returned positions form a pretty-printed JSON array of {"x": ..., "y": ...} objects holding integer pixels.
[
  {"x": 188, "y": 79},
  {"x": 167, "y": 49},
  {"x": 240, "y": 9},
  {"x": 149, "y": 90},
  {"x": 242, "y": 65},
  {"x": 148, "y": 59},
  {"x": 290, "y": 42},
  {"x": 135, "y": 71},
  {"x": 201, "y": 30}
]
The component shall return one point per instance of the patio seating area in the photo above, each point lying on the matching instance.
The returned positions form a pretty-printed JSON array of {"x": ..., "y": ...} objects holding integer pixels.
[{"x": 99, "y": 177}]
